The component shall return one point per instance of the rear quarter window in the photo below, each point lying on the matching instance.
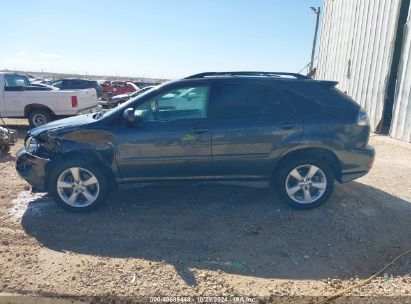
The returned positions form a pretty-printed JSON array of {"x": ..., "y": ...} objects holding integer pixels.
[
  {"x": 305, "y": 98},
  {"x": 322, "y": 95}
]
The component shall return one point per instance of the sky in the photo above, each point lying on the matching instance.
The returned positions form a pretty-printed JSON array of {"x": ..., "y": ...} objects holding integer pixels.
[{"x": 160, "y": 38}]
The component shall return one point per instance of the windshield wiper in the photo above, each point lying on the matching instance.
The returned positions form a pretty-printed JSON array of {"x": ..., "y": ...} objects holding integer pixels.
[{"x": 99, "y": 115}]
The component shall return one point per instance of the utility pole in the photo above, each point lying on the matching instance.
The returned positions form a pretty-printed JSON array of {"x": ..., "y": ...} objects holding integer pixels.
[{"x": 317, "y": 11}]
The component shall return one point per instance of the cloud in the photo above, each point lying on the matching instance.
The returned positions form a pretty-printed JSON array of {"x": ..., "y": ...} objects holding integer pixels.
[
  {"x": 15, "y": 60},
  {"x": 22, "y": 53},
  {"x": 49, "y": 55}
]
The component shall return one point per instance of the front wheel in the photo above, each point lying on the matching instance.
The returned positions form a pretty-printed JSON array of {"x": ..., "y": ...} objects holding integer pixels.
[
  {"x": 78, "y": 186},
  {"x": 305, "y": 184},
  {"x": 5, "y": 149}
]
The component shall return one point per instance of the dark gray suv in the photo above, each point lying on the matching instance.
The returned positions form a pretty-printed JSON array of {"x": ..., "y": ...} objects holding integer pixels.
[{"x": 295, "y": 134}]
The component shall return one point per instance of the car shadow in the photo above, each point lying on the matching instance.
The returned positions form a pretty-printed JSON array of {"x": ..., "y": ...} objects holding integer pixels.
[
  {"x": 7, "y": 158},
  {"x": 234, "y": 229}
]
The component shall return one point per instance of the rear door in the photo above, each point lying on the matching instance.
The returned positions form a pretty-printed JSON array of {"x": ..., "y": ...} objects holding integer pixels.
[{"x": 252, "y": 124}]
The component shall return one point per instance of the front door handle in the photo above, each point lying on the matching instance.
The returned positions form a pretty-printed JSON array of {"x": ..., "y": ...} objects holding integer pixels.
[
  {"x": 288, "y": 125},
  {"x": 199, "y": 130}
]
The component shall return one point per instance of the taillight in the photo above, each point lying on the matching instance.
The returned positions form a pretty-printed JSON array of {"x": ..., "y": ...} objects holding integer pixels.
[
  {"x": 74, "y": 102},
  {"x": 362, "y": 118}
]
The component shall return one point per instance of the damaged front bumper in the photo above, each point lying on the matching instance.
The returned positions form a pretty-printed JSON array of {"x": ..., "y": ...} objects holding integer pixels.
[{"x": 33, "y": 169}]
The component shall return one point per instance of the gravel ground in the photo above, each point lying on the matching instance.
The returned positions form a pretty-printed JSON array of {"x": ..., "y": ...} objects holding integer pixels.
[{"x": 211, "y": 240}]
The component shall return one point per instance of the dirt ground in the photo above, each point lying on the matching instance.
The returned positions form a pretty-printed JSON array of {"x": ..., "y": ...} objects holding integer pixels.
[{"x": 211, "y": 240}]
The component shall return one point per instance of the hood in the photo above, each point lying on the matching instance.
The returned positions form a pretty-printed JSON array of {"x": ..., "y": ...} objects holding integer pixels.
[
  {"x": 63, "y": 123},
  {"x": 133, "y": 85}
]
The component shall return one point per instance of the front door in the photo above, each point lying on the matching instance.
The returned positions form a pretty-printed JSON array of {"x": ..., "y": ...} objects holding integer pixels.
[
  {"x": 172, "y": 141},
  {"x": 15, "y": 95}
]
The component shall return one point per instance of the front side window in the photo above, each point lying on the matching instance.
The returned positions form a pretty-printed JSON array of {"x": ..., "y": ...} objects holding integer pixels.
[
  {"x": 178, "y": 104},
  {"x": 15, "y": 81}
]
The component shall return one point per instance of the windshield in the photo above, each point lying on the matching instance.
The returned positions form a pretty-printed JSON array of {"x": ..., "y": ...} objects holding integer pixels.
[{"x": 124, "y": 105}]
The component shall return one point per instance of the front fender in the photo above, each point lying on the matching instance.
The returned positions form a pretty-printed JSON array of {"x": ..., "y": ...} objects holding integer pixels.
[{"x": 88, "y": 143}]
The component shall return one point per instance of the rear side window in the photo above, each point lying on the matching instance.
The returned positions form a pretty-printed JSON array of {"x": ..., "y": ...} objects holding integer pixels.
[{"x": 245, "y": 100}]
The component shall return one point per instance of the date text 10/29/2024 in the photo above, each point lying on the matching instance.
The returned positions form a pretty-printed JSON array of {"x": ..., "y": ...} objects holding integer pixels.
[{"x": 202, "y": 299}]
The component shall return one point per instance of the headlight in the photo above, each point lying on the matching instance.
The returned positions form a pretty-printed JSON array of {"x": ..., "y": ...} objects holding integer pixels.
[{"x": 32, "y": 144}]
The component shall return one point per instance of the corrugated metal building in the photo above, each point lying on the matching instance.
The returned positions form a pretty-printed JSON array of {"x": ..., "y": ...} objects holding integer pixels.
[
  {"x": 365, "y": 46},
  {"x": 401, "y": 119}
]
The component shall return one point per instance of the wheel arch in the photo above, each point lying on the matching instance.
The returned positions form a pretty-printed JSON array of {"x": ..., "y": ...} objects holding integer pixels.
[
  {"x": 90, "y": 156},
  {"x": 319, "y": 153},
  {"x": 30, "y": 107}
]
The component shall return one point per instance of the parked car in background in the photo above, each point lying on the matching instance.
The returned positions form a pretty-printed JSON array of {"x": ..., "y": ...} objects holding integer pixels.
[
  {"x": 77, "y": 84},
  {"x": 18, "y": 99},
  {"x": 114, "y": 88},
  {"x": 293, "y": 133},
  {"x": 143, "y": 84},
  {"x": 7, "y": 139},
  {"x": 119, "y": 99},
  {"x": 41, "y": 87}
]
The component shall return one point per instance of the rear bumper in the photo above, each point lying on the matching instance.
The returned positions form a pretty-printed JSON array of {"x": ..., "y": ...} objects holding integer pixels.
[
  {"x": 356, "y": 163},
  {"x": 32, "y": 168}
]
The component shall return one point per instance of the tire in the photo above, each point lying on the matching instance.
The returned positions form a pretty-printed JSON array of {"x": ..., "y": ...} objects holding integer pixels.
[
  {"x": 38, "y": 117},
  {"x": 318, "y": 187},
  {"x": 5, "y": 148},
  {"x": 61, "y": 174}
]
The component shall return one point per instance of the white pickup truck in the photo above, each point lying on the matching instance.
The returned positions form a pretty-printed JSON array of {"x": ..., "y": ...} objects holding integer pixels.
[{"x": 20, "y": 100}]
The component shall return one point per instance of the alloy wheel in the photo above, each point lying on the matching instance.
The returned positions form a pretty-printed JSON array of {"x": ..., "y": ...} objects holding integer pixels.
[
  {"x": 78, "y": 187},
  {"x": 306, "y": 184}
]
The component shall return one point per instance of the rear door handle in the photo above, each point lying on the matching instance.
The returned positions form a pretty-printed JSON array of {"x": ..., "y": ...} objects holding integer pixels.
[
  {"x": 199, "y": 130},
  {"x": 288, "y": 125}
]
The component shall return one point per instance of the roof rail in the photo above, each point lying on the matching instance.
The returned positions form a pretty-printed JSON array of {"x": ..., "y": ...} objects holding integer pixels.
[{"x": 247, "y": 73}]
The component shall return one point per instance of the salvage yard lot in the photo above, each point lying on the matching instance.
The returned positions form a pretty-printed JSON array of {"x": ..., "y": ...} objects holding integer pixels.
[{"x": 210, "y": 239}]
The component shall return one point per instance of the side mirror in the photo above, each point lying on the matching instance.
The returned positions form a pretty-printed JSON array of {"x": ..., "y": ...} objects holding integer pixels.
[
  {"x": 132, "y": 117},
  {"x": 129, "y": 116}
]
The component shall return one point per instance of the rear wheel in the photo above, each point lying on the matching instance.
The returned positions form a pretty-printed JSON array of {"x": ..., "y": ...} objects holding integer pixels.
[
  {"x": 305, "y": 184},
  {"x": 78, "y": 186},
  {"x": 38, "y": 117}
]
